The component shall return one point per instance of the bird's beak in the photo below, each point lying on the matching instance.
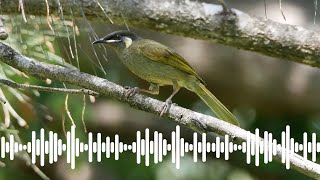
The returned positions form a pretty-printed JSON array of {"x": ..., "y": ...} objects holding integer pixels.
[
  {"x": 98, "y": 41},
  {"x": 105, "y": 41}
]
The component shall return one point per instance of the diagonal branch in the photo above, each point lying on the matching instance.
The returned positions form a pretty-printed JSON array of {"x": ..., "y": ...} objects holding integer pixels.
[
  {"x": 197, "y": 20},
  {"x": 188, "y": 118}
]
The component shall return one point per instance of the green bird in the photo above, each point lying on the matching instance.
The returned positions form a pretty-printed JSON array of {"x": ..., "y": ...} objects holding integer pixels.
[{"x": 160, "y": 65}]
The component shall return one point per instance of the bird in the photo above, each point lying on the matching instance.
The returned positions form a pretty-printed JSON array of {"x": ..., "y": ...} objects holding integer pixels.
[{"x": 161, "y": 66}]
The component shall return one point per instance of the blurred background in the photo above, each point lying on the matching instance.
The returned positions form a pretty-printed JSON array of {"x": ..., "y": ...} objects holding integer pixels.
[{"x": 262, "y": 92}]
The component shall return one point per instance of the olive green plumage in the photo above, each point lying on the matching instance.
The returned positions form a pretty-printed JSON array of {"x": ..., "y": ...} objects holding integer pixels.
[{"x": 160, "y": 65}]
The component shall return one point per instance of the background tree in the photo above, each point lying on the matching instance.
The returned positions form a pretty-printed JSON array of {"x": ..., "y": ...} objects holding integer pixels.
[{"x": 263, "y": 93}]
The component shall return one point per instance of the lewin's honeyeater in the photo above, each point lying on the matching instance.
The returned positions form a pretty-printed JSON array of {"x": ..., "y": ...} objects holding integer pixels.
[{"x": 160, "y": 65}]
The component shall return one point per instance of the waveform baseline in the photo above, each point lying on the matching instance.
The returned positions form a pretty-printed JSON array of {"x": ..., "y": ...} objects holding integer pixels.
[{"x": 159, "y": 147}]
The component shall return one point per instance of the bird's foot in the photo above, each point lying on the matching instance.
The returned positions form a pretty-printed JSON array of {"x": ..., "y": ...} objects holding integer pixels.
[
  {"x": 165, "y": 107},
  {"x": 225, "y": 9},
  {"x": 131, "y": 91}
]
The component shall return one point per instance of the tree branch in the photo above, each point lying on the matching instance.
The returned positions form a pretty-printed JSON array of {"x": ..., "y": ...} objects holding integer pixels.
[
  {"x": 188, "y": 118},
  {"x": 197, "y": 20},
  {"x": 49, "y": 89}
]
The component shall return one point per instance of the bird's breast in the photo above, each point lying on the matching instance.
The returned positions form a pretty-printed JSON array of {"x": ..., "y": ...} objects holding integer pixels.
[{"x": 150, "y": 70}]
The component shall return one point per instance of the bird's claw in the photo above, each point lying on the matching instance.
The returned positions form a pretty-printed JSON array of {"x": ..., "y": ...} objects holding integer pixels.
[
  {"x": 131, "y": 91},
  {"x": 225, "y": 9},
  {"x": 165, "y": 107}
]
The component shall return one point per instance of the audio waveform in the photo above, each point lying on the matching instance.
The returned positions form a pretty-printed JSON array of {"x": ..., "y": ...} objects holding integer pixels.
[{"x": 159, "y": 147}]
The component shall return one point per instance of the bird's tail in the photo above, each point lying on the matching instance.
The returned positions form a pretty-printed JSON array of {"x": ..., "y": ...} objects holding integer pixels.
[{"x": 215, "y": 105}]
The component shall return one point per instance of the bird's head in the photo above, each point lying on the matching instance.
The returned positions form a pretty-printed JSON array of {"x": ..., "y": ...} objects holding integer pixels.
[{"x": 118, "y": 39}]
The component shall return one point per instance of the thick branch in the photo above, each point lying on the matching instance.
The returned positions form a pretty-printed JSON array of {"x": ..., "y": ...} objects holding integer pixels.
[
  {"x": 191, "y": 119},
  {"x": 196, "y": 20}
]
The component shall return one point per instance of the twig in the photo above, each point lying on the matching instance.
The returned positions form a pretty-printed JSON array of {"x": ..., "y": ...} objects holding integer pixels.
[
  {"x": 2, "y": 100},
  {"x": 188, "y": 118},
  {"x": 9, "y": 131},
  {"x": 49, "y": 89},
  {"x": 21, "y": 6},
  {"x": 64, "y": 126},
  {"x": 6, "y": 116},
  {"x": 82, "y": 114},
  {"x": 103, "y": 10},
  {"x": 2, "y": 164},
  {"x": 67, "y": 109},
  {"x": 19, "y": 119},
  {"x": 280, "y": 7},
  {"x": 48, "y": 17}
]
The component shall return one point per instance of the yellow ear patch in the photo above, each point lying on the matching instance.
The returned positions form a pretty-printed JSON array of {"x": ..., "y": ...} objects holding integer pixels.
[{"x": 127, "y": 41}]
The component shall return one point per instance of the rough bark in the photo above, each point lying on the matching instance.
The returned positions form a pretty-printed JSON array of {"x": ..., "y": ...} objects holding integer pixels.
[{"x": 193, "y": 19}]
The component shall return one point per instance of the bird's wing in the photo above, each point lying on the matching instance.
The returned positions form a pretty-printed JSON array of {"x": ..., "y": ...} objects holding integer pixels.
[{"x": 162, "y": 54}]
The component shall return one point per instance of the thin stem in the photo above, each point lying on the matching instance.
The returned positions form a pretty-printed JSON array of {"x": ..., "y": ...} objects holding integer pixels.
[{"x": 49, "y": 89}]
